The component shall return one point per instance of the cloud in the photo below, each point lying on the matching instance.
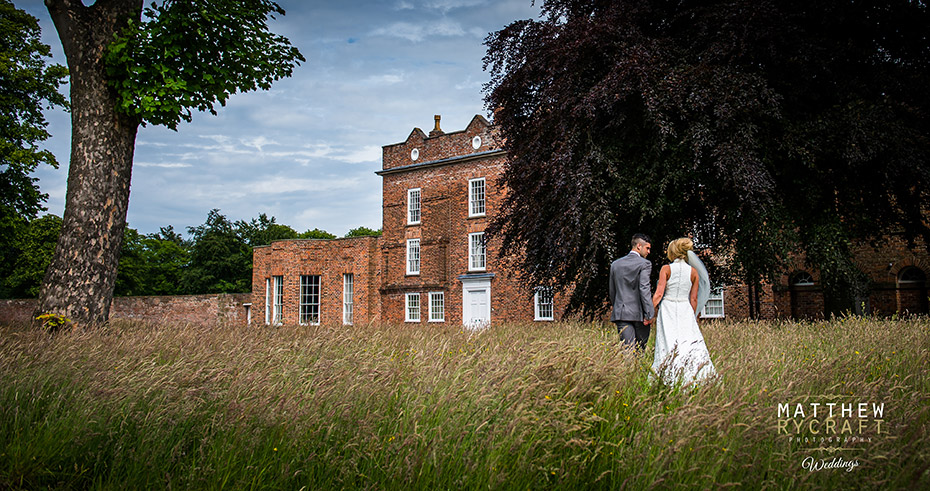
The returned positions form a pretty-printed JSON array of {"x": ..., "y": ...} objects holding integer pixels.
[
  {"x": 282, "y": 184},
  {"x": 418, "y": 32},
  {"x": 368, "y": 153},
  {"x": 447, "y": 5},
  {"x": 164, "y": 165},
  {"x": 384, "y": 79},
  {"x": 258, "y": 142}
]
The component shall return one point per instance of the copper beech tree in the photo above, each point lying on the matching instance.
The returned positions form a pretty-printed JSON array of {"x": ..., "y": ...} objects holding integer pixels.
[
  {"x": 761, "y": 126},
  {"x": 130, "y": 67}
]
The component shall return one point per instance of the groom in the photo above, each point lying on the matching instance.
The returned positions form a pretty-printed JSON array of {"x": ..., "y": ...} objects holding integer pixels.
[{"x": 631, "y": 295}]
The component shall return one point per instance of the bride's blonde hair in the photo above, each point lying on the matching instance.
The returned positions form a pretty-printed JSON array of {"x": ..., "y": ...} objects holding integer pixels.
[{"x": 678, "y": 248}]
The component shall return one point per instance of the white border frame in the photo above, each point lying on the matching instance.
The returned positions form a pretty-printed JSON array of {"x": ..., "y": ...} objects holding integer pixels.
[
  {"x": 471, "y": 197},
  {"x": 419, "y": 258},
  {"x": 407, "y": 297},
  {"x": 443, "y": 295},
  {"x": 484, "y": 247},
  {"x": 419, "y": 205}
]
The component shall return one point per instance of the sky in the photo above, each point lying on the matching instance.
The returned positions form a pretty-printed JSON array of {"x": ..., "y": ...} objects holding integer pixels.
[{"x": 306, "y": 151}]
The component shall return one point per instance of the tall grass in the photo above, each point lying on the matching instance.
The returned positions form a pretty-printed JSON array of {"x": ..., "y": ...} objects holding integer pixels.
[{"x": 514, "y": 406}]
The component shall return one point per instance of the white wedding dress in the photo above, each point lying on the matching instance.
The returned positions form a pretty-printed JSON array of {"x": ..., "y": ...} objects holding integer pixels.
[{"x": 680, "y": 350}]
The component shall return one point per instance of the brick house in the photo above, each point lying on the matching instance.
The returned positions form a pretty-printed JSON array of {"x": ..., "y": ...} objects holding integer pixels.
[{"x": 432, "y": 265}]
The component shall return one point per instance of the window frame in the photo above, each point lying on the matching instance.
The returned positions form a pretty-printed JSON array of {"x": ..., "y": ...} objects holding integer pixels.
[
  {"x": 473, "y": 200},
  {"x": 419, "y": 206},
  {"x": 442, "y": 307},
  {"x": 794, "y": 279},
  {"x": 716, "y": 294},
  {"x": 408, "y": 307},
  {"x": 538, "y": 304},
  {"x": 409, "y": 260},
  {"x": 472, "y": 265},
  {"x": 348, "y": 299},
  {"x": 268, "y": 301},
  {"x": 908, "y": 282},
  {"x": 304, "y": 317},
  {"x": 277, "y": 297}
]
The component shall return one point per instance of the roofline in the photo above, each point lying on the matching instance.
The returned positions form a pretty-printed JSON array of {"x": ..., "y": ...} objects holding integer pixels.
[
  {"x": 442, "y": 162},
  {"x": 320, "y": 240}
]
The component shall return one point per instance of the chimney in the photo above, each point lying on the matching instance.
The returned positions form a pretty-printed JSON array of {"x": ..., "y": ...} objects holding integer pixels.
[{"x": 436, "y": 130}]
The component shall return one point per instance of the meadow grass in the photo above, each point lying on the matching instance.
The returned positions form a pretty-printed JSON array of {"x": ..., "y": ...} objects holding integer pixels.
[{"x": 516, "y": 406}]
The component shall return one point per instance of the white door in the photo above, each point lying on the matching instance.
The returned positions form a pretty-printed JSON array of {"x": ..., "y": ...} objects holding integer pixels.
[{"x": 476, "y": 303}]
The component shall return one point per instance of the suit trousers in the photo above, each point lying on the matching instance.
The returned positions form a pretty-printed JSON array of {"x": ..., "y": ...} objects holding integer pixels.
[{"x": 633, "y": 333}]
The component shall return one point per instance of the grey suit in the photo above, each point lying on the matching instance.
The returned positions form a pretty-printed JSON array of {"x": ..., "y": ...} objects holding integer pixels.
[{"x": 631, "y": 297}]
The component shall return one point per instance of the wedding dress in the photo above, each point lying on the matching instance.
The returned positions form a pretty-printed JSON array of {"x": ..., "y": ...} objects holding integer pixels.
[{"x": 680, "y": 350}]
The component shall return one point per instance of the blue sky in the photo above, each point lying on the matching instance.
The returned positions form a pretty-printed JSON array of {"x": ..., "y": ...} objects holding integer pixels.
[{"x": 306, "y": 151}]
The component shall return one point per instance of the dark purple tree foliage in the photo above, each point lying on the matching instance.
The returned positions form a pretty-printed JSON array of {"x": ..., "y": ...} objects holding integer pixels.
[{"x": 761, "y": 127}]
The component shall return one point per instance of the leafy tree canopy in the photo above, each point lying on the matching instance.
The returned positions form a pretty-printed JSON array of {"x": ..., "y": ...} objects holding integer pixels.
[
  {"x": 263, "y": 230},
  {"x": 760, "y": 127},
  {"x": 32, "y": 251},
  {"x": 190, "y": 54},
  {"x": 316, "y": 234},
  {"x": 221, "y": 262},
  {"x": 152, "y": 264},
  {"x": 363, "y": 232},
  {"x": 27, "y": 86}
]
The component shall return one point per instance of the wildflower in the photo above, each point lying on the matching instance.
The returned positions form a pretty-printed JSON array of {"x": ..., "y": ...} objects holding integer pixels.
[
  {"x": 276, "y": 449},
  {"x": 857, "y": 352},
  {"x": 547, "y": 398}
]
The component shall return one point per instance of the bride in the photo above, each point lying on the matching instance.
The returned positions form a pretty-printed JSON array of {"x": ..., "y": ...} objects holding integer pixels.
[{"x": 680, "y": 350}]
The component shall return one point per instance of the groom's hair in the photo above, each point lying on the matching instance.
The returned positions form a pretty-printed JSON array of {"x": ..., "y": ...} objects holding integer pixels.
[{"x": 639, "y": 239}]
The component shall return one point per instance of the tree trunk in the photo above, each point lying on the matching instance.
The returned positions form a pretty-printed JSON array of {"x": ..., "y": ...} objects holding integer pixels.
[{"x": 79, "y": 282}]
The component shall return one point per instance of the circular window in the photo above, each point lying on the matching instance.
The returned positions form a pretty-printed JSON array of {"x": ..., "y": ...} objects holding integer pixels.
[
  {"x": 414, "y": 154},
  {"x": 476, "y": 142}
]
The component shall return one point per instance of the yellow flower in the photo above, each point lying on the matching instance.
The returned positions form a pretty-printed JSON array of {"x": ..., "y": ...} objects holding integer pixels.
[
  {"x": 276, "y": 449},
  {"x": 547, "y": 397}
]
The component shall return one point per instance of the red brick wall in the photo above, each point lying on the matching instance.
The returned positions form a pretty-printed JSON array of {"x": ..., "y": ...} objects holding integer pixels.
[
  {"x": 882, "y": 264},
  {"x": 192, "y": 309},
  {"x": 330, "y": 259}
]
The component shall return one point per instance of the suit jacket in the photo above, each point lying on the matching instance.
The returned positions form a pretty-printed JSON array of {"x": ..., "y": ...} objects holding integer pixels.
[{"x": 630, "y": 293}]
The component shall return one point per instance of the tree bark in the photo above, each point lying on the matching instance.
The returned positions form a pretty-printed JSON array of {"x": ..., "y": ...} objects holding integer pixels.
[{"x": 80, "y": 279}]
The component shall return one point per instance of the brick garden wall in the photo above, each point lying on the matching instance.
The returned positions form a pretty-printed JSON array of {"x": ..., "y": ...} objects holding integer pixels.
[{"x": 185, "y": 309}]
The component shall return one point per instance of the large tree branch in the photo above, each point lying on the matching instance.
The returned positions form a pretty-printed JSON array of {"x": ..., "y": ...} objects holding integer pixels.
[{"x": 69, "y": 17}]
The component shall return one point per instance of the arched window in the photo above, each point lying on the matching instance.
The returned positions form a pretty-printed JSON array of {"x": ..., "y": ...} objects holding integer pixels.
[
  {"x": 801, "y": 278},
  {"x": 912, "y": 291},
  {"x": 806, "y": 300},
  {"x": 912, "y": 276}
]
